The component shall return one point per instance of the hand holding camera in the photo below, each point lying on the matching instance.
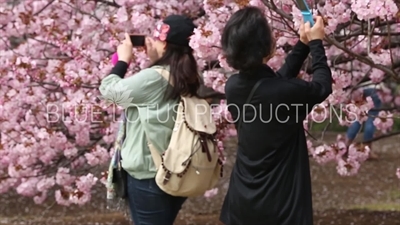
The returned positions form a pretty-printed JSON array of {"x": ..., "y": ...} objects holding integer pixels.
[{"x": 124, "y": 50}]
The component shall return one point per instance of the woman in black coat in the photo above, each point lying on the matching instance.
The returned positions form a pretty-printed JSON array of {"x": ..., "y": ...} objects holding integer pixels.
[{"x": 270, "y": 183}]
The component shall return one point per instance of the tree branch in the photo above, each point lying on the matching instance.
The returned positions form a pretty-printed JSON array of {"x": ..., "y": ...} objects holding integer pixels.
[
  {"x": 362, "y": 58},
  {"x": 334, "y": 42},
  {"x": 382, "y": 137},
  {"x": 108, "y": 3}
]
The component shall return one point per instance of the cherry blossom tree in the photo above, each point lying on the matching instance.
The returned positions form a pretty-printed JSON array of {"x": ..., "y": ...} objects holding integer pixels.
[{"x": 55, "y": 131}]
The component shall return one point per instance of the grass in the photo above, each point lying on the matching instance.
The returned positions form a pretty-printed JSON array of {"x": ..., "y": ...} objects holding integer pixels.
[
  {"x": 392, "y": 203},
  {"x": 394, "y": 194}
]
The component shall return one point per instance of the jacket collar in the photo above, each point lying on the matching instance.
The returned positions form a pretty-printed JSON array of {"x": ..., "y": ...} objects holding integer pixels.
[{"x": 257, "y": 72}]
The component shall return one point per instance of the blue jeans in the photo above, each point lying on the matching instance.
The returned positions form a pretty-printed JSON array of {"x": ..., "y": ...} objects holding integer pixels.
[
  {"x": 369, "y": 127},
  {"x": 149, "y": 205}
]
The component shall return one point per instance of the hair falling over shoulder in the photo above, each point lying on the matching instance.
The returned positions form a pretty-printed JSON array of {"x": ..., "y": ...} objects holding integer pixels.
[{"x": 183, "y": 71}]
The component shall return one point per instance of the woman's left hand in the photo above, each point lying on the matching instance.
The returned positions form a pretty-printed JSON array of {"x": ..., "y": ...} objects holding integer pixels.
[
  {"x": 302, "y": 33},
  {"x": 124, "y": 50}
]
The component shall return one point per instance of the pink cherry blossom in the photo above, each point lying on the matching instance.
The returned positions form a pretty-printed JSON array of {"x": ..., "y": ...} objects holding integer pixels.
[
  {"x": 85, "y": 183},
  {"x": 348, "y": 167},
  {"x": 211, "y": 193},
  {"x": 376, "y": 75},
  {"x": 342, "y": 79},
  {"x": 45, "y": 184},
  {"x": 205, "y": 41},
  {"x": 28, "y": 187},
  {"x": 397, "y": 100},
  {"x": 98, "y": 156},
  {"x": 384, "y": 121},
  {"x": 63, "y": 178},
  {"x": 62, "y": 197},
  {"x": 339, "y": 148},
  {"x": 320, "y": 113},
  {"x": 323, "y": 154},
  {"x": 386, "y": 95},
  {"x": 7, "y": 184},
  {"x": 215, "y": 79},
  {"x": 41, "y": 197},
  {"x": 359, "y": 152},
  {"x": 369, "y": 10}
]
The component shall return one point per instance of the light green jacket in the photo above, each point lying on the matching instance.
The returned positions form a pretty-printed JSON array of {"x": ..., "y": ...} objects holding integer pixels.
[{"x": 147, "y": 110}]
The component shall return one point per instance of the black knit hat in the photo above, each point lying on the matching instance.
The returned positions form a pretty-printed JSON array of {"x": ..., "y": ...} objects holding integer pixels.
[{"x": 176, "y": 29}]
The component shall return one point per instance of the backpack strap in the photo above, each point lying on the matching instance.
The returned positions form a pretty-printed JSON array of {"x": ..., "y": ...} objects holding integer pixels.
[
  {"x": 249, "y": 99},
  {"x": 157, "y": 160},
  {"x": 165, "y": 74}
]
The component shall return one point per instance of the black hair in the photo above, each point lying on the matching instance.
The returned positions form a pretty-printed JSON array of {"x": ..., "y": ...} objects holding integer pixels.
[
  {"x": 247, "y": 39},
  {"x": 183, "y": 71}
]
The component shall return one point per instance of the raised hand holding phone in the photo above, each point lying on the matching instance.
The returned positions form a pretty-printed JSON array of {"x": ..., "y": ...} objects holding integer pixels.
[
  {"x": 317, "y": 31},
  {"x": 302, "y": 34},
  {"x": 305, "y": 11},
  {"x": 124, "y": 50},
  {"x": 132, "y": 41}
]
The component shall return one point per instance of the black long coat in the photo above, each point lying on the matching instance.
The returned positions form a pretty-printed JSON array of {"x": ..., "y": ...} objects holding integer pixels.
[{"x": 270, "y": 183}]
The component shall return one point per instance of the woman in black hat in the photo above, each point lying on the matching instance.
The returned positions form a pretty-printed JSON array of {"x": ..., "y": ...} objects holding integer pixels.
[{"x": 168, "y": 49}]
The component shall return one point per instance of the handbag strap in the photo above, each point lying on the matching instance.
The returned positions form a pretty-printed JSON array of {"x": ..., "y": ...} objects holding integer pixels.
[
  {"x": 122, "y": 135},
  {"x": 249, "y": 99},
  {"x": 120, "y": 139}
]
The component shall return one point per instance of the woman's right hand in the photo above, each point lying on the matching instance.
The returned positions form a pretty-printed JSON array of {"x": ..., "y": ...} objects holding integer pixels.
[
  {"x": 124, "y": 50},
  {"x": 317, "y": 31}
]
